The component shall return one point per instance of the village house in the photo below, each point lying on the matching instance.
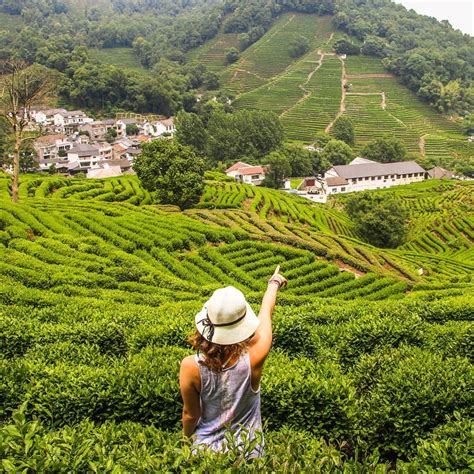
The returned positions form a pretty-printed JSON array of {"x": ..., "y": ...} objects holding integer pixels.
[
  {"x": 49, "y": 147},
  {"x": 88, "y": 156},
  {"x": 97, "y": 130},
  {"x": 45, "y": 117},
  {"x": 69, "y": 121},
  {"x": 440, "y": 173},
  {"x": 110, "y": 169},
  {"x": 362, "y": 174},
  {"x": 246, "y": 173},
  {"x": 121, "y": 126},
  {"x": 160, "y": 128}
]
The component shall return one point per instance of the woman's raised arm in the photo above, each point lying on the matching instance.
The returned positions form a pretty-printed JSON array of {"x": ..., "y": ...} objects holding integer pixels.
[{"x": 262, "y": 341}]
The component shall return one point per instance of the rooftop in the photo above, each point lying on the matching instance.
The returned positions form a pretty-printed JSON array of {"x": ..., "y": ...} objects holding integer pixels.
[
  {"x": 337, "y": 181},
  {"x": 377, "y": 169},
  {"x": 238, "y": 166}
]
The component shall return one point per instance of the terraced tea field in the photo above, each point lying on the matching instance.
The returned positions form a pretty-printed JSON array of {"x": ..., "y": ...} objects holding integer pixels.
[
  {"x": 97, "y": 298},
  {"x": 308, "y": 92},
  {"x": 123, "y": 58}
]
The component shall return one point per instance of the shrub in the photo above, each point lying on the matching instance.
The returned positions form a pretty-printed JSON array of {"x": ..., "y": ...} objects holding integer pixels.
[{"x": 408, "y": 393}]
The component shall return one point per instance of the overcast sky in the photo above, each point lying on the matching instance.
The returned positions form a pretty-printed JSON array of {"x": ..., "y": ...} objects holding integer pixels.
[{"x": 460, "y": 13}]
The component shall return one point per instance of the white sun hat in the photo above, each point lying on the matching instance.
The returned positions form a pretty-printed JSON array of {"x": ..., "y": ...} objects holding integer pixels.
[{"x": 226, "y": 318}]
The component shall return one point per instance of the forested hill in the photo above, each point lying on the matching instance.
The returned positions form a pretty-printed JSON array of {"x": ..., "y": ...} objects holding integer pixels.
[{"x": 432, "y": 59}]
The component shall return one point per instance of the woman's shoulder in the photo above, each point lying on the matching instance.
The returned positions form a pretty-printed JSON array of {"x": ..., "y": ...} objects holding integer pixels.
[{"x": 189, "y": 363}]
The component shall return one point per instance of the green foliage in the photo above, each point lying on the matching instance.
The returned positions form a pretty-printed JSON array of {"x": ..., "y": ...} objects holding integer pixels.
[
  {"x": 417, "y": 389},
  {"x": 173, "y": 171},
  {"x": 232, "y": 55},
  {"x": 279, "y": 169},
  {"x": 298, "y": 47},
  {"x": 190, "y": 131},
  {"x": 301, "y": 160},
  {"x": 337, "y": 152},
  {"x": 132, "y": 129},
  {"x": 343, "y": 130},
  {"x": 385, "y": 150},
  {"x": 379, "y": 221},
  {"x": 345, "y": 46},
  {"x": 242, "y": 134}
]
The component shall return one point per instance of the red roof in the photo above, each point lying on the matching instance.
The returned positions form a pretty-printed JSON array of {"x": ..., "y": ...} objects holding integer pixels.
[
  {"x": 238, "y": 166},
  {"x": 252, "y": 170}
]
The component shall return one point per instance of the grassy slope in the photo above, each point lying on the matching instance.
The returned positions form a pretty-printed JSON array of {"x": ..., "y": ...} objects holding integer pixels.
[
  {"x": 306, "y": 92},
  {"x": 441, "y": 237},
  {"x": 124, "y": 58}
]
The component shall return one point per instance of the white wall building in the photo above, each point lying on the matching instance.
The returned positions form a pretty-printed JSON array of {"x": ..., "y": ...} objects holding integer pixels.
[
  {"x": 159, "y": 128},
  {"x": 363, "y": 175},
  {"x": 74, "y": 118},
  {"x": 45, "y": 116},
  {"x": 246, "y": 173}
]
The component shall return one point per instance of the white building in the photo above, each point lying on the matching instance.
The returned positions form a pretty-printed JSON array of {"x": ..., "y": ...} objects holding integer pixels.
[
  {"x": 45, "y": 117},
  {"x": 362, "y": 175},
  {"x": 89, "y": 156},
  {"x": 246, "y": 173},
  {"x": 159, "y": 128},
  {"x": 68, "y": 120}
]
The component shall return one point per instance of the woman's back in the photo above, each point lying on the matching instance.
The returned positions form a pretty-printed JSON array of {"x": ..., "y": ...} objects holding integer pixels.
[{"x": 228, "y": 402}]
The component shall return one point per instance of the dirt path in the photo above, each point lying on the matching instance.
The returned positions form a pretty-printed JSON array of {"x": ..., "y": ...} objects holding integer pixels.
[
  {"x": 368, "y": 76},
  {"x": 344, "y": 267},
  {"x": 421, "y": 144},
  {"x": 307, "y": 93},
  {"x": 342, "y": 106}
]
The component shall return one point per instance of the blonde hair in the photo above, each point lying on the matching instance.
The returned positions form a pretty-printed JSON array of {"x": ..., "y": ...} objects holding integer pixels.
[{"x": 217, "y": 355}]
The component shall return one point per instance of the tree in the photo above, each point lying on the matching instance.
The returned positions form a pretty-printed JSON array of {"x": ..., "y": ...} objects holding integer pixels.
[
  {"x": 21, "y": 86},
  {"x": 132, "y": 129},
  {"x": 246, "y": 133},
  {"x": 111, "y": 135},
  {"x": 344, "y": 46},
  {"x": 379, "y": 219},
  {"x": 232, "y": 55},
  {"x": 468, "y": 124},
  {"x": 337, "y": 152},
  {"x": 343, "y": 129},
  {"x": 300, "y": 159},
  {"x": 171, "y": 170},
  {"x": 279, "y": 169},
  {"x": 190, "y": 131},
  {"x": 298, "y": 47},
  {"x": 322, "y": 139},
  {"x": 374, "y": 46},
  {"x": 385, "y": 150}
]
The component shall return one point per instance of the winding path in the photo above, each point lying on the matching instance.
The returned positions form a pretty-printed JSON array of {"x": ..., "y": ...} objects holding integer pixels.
[{"x": 342, "y": 106}]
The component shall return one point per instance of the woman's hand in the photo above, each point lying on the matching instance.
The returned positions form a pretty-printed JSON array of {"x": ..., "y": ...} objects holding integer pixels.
[{"x": 278, "y": 279}]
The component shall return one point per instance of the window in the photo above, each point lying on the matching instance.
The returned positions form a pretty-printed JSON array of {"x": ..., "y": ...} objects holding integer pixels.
[
  {"x": 392, "y": 176},
  {"x": 410, "y": 175},
  {"x": 359, "y": 179},
  {"x": 367, "y": 178},
  {"x": 372, "y": 178},
  {"x": 334, "y": 190},
  {"x": 354, "y": 181},
  {"x": 255, "y": 176},
  {"x": 343, "y": 189},
  {"x": 379, "y": 178},
  {"x": 404, "y": 175}
]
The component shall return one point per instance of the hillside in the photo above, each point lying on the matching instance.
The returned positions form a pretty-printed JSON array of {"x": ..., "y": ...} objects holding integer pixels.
[
  {"x": 98, "y": 290},
  {"x": 308, "y": 93}
]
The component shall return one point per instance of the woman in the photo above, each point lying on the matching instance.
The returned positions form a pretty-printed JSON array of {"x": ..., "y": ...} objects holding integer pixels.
[{"x": 220, "y": 385}]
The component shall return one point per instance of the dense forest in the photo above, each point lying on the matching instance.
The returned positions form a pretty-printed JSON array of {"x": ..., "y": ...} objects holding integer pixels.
[{"x": 432, "y": 59}]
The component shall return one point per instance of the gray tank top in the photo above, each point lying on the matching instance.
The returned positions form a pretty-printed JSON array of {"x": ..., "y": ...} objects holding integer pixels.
[{"x": 228, "y": 403}]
